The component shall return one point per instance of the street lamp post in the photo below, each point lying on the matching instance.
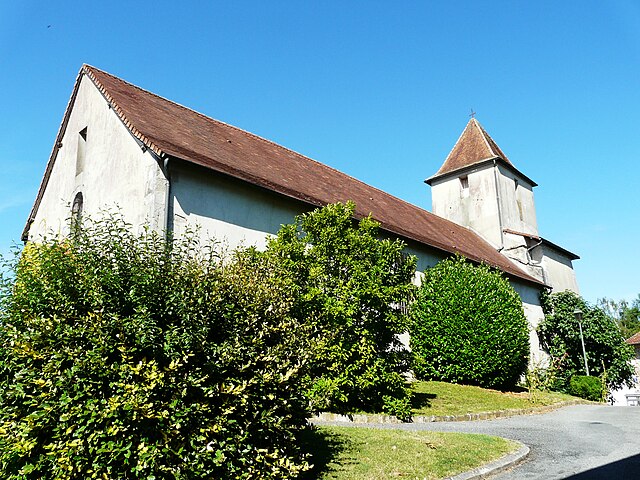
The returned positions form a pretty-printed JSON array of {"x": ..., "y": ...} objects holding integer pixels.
[{"x": 578, "y": 314}]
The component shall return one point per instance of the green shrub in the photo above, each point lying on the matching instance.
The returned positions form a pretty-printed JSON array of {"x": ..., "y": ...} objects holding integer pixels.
[
  {"x": 587, "y": 387},
  {"x": 559, "y": 335},
  {"x": 468, "y": 326},
  {"x": 352, "y": 287},
  {"x": 124, "y": 356}
]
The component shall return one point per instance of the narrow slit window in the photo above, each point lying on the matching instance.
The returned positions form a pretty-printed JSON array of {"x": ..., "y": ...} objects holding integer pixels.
[{"x": 82, "y": 151}]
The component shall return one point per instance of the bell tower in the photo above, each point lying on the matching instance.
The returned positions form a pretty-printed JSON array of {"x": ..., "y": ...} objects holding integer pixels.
[{"x": 478, "y": 187}]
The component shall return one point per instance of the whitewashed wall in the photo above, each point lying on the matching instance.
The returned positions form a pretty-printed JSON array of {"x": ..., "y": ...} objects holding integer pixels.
[
  {"x": 227, "y": 210},
  {"x": 517, "y": 202},
  {"x": 476, "y": 209},
  {"x": 530, "y": 297},
  {"x": 559, "y": 270},
  {"x": 115, "y": 171}
]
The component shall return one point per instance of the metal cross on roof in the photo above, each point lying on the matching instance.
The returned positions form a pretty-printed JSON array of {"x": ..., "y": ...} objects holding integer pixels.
[{"x": 472, "y": 114}]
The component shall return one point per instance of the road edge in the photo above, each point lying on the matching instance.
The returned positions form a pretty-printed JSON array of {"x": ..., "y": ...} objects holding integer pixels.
[
  {"x": 379, "y": 418},
  {"x": 503, "y": 463}
]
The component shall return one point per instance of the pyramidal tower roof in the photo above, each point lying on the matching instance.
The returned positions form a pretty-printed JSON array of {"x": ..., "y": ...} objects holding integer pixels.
[{"x": 474, "y": 146}]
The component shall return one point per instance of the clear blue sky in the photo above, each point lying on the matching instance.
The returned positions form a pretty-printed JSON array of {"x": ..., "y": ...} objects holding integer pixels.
[{"x": 377, "y": 89}]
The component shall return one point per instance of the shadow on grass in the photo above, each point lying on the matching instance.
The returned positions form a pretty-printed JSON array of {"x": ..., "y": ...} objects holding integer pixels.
[
  {"x": 421, "y": 400},
  {"x": 329, "y": 452}
]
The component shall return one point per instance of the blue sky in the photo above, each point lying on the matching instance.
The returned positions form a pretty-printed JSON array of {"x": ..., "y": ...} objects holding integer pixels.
[{"x": 378, "y": 90}]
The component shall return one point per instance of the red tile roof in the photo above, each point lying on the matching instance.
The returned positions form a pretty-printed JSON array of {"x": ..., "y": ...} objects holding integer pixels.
[
  {"x": 170, "y": 129},
  {"x": 634, "y": 340},
  {"x": 474, "y": 147}
]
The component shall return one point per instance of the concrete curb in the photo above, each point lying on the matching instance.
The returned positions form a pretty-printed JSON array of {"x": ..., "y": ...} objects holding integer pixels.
[
  {"x": 491, "y": 468},
  {"x": 378, "y": 418}
]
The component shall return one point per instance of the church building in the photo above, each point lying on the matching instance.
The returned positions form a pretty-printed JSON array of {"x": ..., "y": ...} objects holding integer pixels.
[{"x": 169, "y": 167}]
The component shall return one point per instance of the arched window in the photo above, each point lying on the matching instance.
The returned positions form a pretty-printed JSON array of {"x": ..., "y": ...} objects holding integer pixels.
[{"x": 76, "y": 211}]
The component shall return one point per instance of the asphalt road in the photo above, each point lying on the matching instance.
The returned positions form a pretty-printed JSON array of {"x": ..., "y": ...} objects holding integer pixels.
[{"x": 578, "y": 443}]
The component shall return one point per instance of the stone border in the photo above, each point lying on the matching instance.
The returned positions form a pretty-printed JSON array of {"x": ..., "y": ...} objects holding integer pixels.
[
  {"x": 379, "y": 418},
  {"x": 491, "y": 468}
]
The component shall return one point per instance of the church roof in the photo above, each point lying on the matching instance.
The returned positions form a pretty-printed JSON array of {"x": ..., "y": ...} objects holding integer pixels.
[
  {"x": 475, "y": 147},
  {"x": 171, "y": 130}
]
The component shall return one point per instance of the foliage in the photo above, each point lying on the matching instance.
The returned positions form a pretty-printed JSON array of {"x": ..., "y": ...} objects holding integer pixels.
[
  {"x": 587, "y": 387},
  {"x": 468, "y": 326},
  {"x": 126, "y": 356},
  {"x": 626, "y": 316},
  {"x": 541, "y": 377},
  {"x": 559, "y": 335},
  {"x": 351, "y": 286}
]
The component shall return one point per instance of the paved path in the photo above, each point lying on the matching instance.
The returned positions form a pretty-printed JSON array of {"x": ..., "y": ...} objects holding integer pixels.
[{"x": 578, "y": 443}]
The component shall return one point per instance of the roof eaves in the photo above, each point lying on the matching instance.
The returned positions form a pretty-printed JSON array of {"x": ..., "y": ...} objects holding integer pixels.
[
  {"x": 459, "y": 171},
  {"x": 478, "y": 164},
  {"x": 453, "y": 249},
  {"x": 522, "y": 234},
  {"x": 484, "y": 135},
  {"x": 555, "y": 246}
]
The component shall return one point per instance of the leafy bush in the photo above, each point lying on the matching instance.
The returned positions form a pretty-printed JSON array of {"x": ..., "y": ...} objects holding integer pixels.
[
  {"x": 587, "y": 387},
  {"x": 124, "y": 356},
  {"x": 468, "y": 326},
  {"x": 559, "y": 335},
  {"x": 541, "y": 377},
  {"x": 352, "y": 287}
]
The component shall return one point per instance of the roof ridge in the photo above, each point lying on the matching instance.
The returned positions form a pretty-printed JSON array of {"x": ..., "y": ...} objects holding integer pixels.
[
  {"x": 454, "y": 145},
  {"x": 484, "y": 134}
]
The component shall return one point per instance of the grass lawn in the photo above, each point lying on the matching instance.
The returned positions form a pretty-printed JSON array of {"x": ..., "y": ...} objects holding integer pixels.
[
  {"x": 440, "y": 398},
  {"x": 348, "y": 453}
]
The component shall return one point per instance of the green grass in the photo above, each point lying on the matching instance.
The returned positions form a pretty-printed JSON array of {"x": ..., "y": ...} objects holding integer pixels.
[
  {"x": 440, "y": 398},
  {"x": 348, "y": 453}
]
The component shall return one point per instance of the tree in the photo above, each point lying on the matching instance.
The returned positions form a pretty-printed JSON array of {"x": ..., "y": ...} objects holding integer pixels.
[
  {"x": 559, "y": 335},
  {"x": 468, "y": 326},
  {"x": 627, "y": 317},
  {"x": 127, "y": 356},
  {"x": 352, "y": 286}
]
